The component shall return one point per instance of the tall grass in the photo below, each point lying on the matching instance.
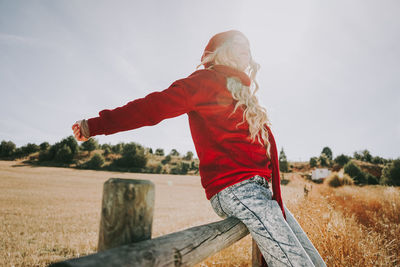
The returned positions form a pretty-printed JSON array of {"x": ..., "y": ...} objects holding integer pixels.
[{"x": 49, "y": 214}]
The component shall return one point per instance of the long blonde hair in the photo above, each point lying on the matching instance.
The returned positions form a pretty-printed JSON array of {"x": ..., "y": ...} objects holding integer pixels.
[{"x": 255, "y": 115}]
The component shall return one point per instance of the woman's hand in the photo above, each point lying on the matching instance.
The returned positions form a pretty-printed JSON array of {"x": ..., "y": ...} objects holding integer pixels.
[{"x": 77, "y": 127}]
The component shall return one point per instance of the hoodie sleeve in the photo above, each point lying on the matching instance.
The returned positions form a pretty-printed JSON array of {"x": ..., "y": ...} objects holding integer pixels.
[
  {"x": 146, "y": 111},
  {"x": 276, "y": 179}
]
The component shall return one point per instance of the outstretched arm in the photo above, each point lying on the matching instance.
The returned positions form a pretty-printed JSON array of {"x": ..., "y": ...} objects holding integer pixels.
[{"x": 181, "y": 97}]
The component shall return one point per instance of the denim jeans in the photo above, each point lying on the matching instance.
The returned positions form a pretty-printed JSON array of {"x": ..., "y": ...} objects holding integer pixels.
[{"x": 251, "y": 202}]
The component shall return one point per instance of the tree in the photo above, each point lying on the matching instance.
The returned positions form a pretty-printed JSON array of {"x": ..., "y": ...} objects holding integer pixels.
[
  {"x": 342, "y": 159},
  {"x": 188, "y": 156},
  {"x": 159, "y": 152},
  {"x": 151, "y": 151},
  {"x": 106, "y": 146},
  {"x": 174, "y": 152},
  {"x": 90, "y": 145},
  {"x": 323, "y": 160},
  {"x": 117, "y": 149},
  {"x": 180, "y": 168},
  {"x": 44, "y": 146},
  {"x": 283, "y": 163},
  {"x": 391, "y": 173},
  {"x": 64, "y": 154},
  {"x": 7, "y": 148},
  {"x": 378, "y": 160},
  {"x": 95, "y": 162},
  {"x": 357, "y": 155},
  {"x": 366, "y": 156},
  {"x": 328, "y": 152},
  {"x": 133, "y": 156},
  {"x": 313, "y": 162},
  {"x": 166, "y": 160},
  {"x": 51, "y": 154}
]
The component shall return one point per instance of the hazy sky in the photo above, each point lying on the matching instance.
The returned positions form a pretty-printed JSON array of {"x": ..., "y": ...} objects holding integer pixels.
[{"x": 330, "y": 70}]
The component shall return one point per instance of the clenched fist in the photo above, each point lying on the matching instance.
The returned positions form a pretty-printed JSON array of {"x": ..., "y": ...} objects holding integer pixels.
[{"x": 81, "y": 130}]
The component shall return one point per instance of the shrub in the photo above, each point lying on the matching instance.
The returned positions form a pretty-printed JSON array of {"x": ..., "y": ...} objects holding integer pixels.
[
  {"x": 90, "y": 145},
  {"x": 283, "y": 163},
  {"x": 323, "y": 160},
  {"x": 160, "y": 152},
  {"x": 117, "y": 149},
  {"x": 188, "y": 156},
  {"x": 342, "y": 159},
  {"x": 180, "y": 168},
  {"x": 7, "y": 149},
  {"x": 44, "y": 146},
  {"x": 355, "y": 173},
  {"x": 366, "y": 156},
  {"x": 64, "y": 155},
  {"x": 313, "y": 162},
  {"x": 107, "y": 151},
  {"x": 391, "y": 173},
  {"x": 347, "y": 180},
  {"x": 45, "y": 155},
  {"x": 166, "y": 160},
  {"x": 328, "y": 152},
  {"x": 174, "y": 152},
  {"x": 95, "y": 162},
  {"x": 333, "y": 180},
  {"x": 132, "y": 157},
  {"x": 154, "y": 168}
]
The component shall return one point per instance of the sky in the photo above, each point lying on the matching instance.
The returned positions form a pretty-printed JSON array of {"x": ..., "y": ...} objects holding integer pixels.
[{"x": 330, "y": 70}]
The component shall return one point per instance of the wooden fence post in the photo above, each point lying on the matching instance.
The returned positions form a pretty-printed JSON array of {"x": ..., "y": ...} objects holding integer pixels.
[
  {"x": 257, "y": 259},
  {"x": 126, "y": 213}
]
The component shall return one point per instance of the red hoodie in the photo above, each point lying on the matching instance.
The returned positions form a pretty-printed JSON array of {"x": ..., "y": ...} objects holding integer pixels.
[{"x": 226, "y": 153}]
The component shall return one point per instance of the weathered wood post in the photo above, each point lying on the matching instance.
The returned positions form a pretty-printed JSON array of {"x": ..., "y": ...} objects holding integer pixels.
[
  {"x": 257, "y": 258},
  {"x": 126, "y": 213}
]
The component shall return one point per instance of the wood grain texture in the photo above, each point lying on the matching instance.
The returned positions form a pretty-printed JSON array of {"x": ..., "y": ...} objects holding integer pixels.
[
  {"x": 184, "y": 248},
  {"x": 127, "y": 212}
]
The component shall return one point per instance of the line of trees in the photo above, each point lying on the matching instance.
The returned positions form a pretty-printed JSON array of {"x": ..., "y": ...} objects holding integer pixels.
[
  {"x": 130, "y": 157},
  {"x": 390, "y": 171}
]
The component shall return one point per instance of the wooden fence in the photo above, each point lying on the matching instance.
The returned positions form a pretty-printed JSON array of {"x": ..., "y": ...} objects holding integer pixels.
[{"x": 125, "y": 233}]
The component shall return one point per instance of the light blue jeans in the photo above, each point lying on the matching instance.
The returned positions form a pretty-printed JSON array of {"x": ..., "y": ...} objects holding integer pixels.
[{"x": 251, "y": 202}]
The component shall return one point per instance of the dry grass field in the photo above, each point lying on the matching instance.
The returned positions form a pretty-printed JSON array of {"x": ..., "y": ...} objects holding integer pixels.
[{"x": 49, "y": 214}]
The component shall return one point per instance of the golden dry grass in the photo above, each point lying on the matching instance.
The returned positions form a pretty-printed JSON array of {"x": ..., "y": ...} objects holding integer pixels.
[{"x": 48, "y": 214}]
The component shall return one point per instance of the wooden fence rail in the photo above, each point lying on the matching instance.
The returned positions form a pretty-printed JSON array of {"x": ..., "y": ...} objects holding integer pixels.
[{"x": 125, "y": 232}]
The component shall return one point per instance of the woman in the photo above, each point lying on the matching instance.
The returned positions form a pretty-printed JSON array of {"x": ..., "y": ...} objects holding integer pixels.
[{"x": 231, "y": 133}]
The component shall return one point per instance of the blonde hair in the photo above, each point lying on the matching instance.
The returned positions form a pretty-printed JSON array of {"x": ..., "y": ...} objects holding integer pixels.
[{"x": 255, "y": 115}]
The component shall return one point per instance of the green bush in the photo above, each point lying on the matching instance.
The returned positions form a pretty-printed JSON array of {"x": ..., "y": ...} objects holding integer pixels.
[
  {"x": 333, "y": 180},
  {"x": 355, "y": 173},
  {"x": 328, "y": 152},
  {"x": 95, "y": 163},
  {"x": 313, "y": 162},
  {"x": 188, "y": 156},
  {"x": 166, "y": 160},
  {"x": 391, "y": 173},
  {"x": 371, "y": 179},
  {"x": 283, "y": 163},
  {"x": 44, "y": 146},
  {"x": 133, "y": 157},
  {"x": 174, "y": 152},
  {"x": 342, "y": 159},
  {"x": 7, "y": 149},
  {"x": 324, "y": 160},
  {"x": 180, "y": 168},
  {"x": 159, "y": 152},
  {"x": 90, "y": 145},
  {"x": 64, "y": 155}
]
